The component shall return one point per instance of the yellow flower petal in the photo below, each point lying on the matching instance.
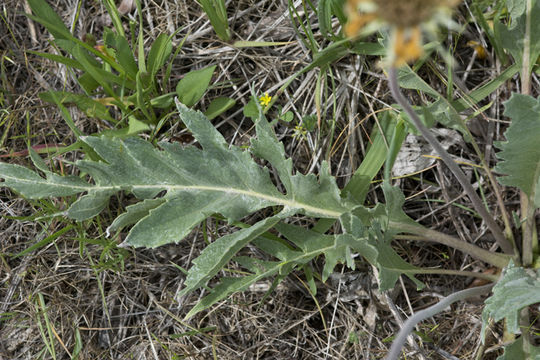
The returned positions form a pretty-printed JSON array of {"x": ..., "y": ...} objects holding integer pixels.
[
  {"x": 480, "y": 51},
  {"x": 357, "y": 23},
  {"x": 265, "y": 99},
  {"x": 407, "y": 46}
]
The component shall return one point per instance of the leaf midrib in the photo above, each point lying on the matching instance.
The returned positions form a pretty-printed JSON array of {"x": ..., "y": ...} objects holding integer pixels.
[{"x": 277, "y": 200}]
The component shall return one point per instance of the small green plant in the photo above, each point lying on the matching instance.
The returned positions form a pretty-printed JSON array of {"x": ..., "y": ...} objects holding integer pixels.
[{"x": 112, "y": 74}]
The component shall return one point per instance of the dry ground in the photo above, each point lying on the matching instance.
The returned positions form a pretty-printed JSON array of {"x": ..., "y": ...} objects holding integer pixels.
[{"x": 122, "y": 304}]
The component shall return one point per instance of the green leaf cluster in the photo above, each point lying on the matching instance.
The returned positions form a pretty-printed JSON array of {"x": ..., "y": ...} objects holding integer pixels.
[
  {"x": 114, "y": 74},
  {"x": 516, "y": 351},
  {"x": 513, "y": 33}
]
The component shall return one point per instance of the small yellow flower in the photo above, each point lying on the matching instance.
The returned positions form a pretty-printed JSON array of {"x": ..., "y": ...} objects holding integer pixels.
[
  {"x": 407, "y": 45},
  {"x": 480, "y": 51},
  {"x": 299, "y": 132},
  {"x": 405, "y": 18},
  {"x": 265, "y": 100}
]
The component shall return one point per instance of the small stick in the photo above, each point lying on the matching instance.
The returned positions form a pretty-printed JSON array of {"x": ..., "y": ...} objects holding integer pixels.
[{"x": 31, "y": 26}]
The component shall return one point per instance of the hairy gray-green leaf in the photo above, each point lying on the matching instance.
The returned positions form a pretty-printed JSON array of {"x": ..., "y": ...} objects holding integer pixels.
[
  {"x": 321, "y": 193},
  {"x": 89, "y": 205},
  {"x": 516, "y": 289},
  {"x": 520, "y": 155},
  {"x": 193, "y": 183},
  {"x": 311, "y": 244},
  {"x": 305, "y": 246},
  {"x": 381, "y": 224},
  {"x": 218, "y": 253},
  {"x": 134, "y": 213},
  {"x": 229, "y": 285},
  {"x": 257, "y": 269},
  {"x": 33, "y": 186},
  {"x": 373, "y": 243}
]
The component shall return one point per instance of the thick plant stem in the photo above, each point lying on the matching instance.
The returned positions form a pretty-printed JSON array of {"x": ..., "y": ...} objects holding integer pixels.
[
  {"x": 505, "y": 245},
  {"x": 496, "y": 259},
  {"x": 529, "y": 232},
  {"x": 409, "y": 325}
]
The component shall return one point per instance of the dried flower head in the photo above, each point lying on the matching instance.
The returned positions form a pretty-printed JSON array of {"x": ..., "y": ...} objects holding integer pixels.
[{"x": 405, "y": 17}]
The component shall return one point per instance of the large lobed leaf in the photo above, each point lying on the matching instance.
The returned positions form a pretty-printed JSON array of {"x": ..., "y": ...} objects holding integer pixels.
[
  {"x": 197, "y": 183},
  {"x": 178, "y": 187},
  {"x": 304, "y": 246},
  {"x": 520, "y": 155}
]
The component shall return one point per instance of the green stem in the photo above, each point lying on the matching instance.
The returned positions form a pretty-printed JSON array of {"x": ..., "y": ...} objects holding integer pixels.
[
  {"x": 496, "y": 259},
  {"x": 527, "y": 203},
  {"x": 505, "y": 245},
  {"x": 530, "y": 239},
  {"x": 395, "y": 144}
]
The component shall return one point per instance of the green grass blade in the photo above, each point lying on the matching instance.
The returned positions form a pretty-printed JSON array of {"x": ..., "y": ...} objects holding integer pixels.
[
  {"x": 376, "y": 155},
  {"x": 100, "y": 76},
  {"x": 46, "y": 16},
  {"x": 115, "y": 17},
  {"x": 59, "y": 59},
  {"x": 217, "y": 14},
  {"x": 325, "y": 17},
  {"x": 49, "y": 239},
  {"x": 124, "y": 55},
  {"x": 48, "y": 337},
  {"x": 248, "y": 44},
  {"x": 141, "y": 101}
]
